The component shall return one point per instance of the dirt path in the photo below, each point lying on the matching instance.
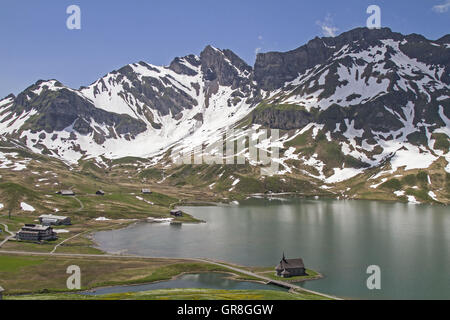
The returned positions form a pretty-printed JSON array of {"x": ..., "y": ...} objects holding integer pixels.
[
  {"x": 7, "y": 238},
  {"x": 68, "y": 239},
  {"x": 81, "y": 204},
  {"x": 280, "y": 283}
]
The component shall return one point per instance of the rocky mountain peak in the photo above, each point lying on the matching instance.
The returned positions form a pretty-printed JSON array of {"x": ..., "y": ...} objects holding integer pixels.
[
  {"x": 185, "y": 65},
  {"x": 371, "y": 93},
  {"x": 9, "y": 97},
  {"x": 273, "y": 69},
  {"x": 224, "y": 66},
  {"x": 445, "y": 39}
]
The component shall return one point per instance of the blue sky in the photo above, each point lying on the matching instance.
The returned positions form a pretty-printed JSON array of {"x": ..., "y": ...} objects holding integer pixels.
[{"x": 36, "y": 44}]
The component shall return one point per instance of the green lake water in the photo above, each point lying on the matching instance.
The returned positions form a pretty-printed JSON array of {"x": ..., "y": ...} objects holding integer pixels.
[
  {"x": 340, "y": 239},
  {"x": 208, "y": 280}
]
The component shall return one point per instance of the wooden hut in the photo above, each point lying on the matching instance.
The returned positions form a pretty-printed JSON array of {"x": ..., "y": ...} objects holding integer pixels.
[
  {"x": 66, "y": 193},
  {"x": 290, "y": 268},
  {"x": 176, "y": 213}
]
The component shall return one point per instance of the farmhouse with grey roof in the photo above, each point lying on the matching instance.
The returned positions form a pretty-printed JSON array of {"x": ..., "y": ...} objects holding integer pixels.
[
  {"x": 51, "y": 220},
  {"x": 36, "y": 232},
  {"x": 66, "y": 193}
]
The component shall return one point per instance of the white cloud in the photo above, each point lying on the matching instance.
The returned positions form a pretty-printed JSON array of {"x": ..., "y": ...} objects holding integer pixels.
[
  {"x": 327, "y": 26},
  {"x": 329, "y": 31},
  {"x": 441, "y": 8},
  {"x": 260, "y": 39}
]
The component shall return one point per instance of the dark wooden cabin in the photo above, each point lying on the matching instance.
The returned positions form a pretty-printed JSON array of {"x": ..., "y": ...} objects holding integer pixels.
[
  {"x": 290, "y": 268},
  {"x": 176, "y": 213}
]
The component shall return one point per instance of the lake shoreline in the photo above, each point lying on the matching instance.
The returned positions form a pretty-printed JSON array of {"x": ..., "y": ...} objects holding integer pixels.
[
  {"x": 314, "y": 229},
  {"x": 167, "y": 266}
]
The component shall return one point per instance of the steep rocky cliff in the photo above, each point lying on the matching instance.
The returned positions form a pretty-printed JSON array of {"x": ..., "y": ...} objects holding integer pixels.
[{"x": 364, "y": 99}]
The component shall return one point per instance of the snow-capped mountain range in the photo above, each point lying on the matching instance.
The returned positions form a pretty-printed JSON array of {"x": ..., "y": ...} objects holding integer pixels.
[{"x": 377, "y": 96}]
